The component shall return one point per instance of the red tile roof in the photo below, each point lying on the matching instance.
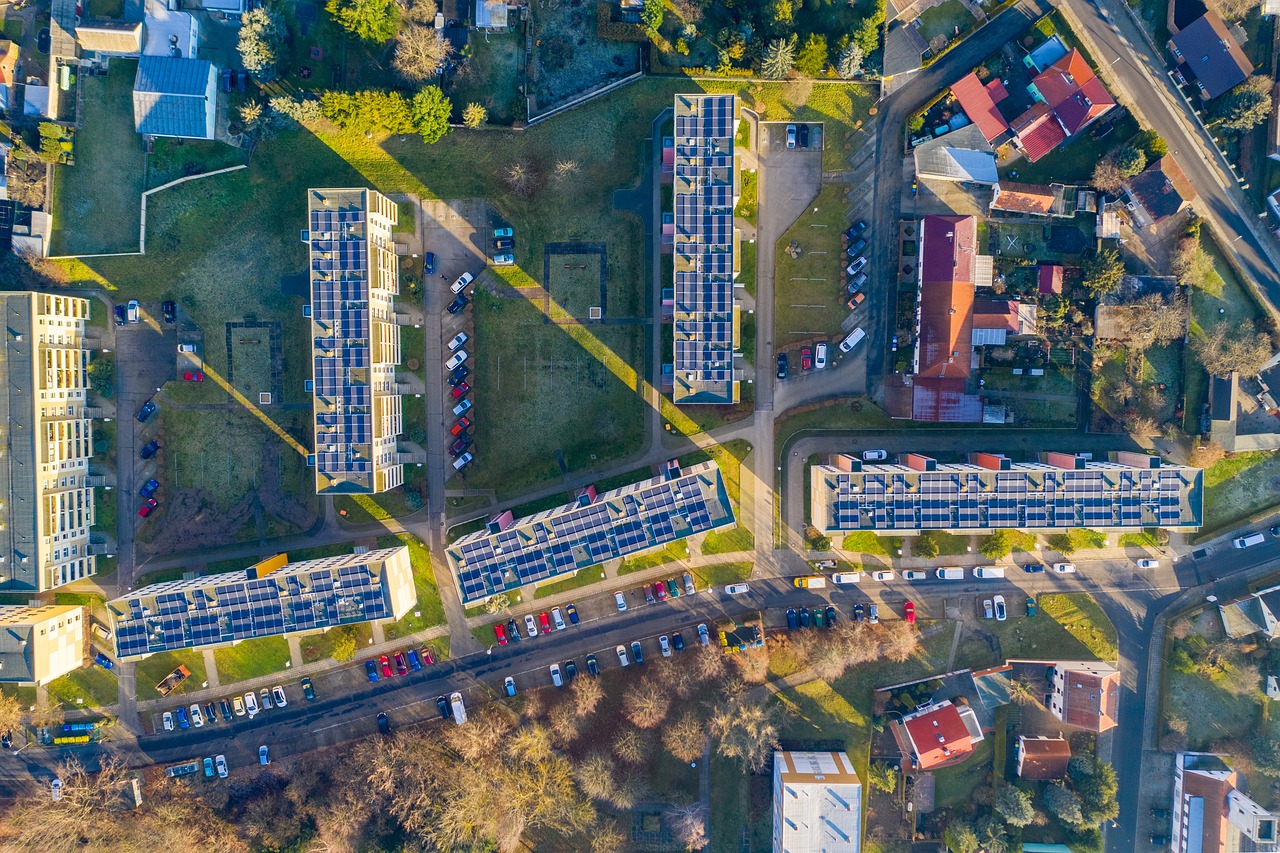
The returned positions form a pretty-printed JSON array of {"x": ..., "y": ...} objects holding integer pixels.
[
  {"x": 1063, "y": 78},
  {"x": 993, "y": 314},
  {"x": 976, "y": 101},
  {"x": 1024, "y": 198},
  {"x": 1214, "y": 792},
  {"x": 948, "y": 245},
  {"x": 996, "y": 90},
  {"x": 939, "y": 736},
  {"x": 1073, "y": 97},
  {"x": 1090, "y": 700},
  {"x": 1041, "y": 136},
  {"x": 1050, "y": 279},
  {"x": 1043, "y": 759}
]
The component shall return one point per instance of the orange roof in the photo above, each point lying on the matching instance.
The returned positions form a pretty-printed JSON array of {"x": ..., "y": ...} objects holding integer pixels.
[
  {"x": 948, "y": 246},
  {"x": 1043, "y": 759},
  {"x": 1063, "y": 79},
  {"x": 1090, "y": 700},
  {"x": 1024, "y": 198},
  {"x": 1214, "y": 791},
  {"x": 975, "y": 99},
  {"x": 939, "y": 737}
]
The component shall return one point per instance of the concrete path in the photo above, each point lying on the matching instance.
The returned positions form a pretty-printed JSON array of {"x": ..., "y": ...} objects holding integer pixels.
[{"x": 211, "y": 669}]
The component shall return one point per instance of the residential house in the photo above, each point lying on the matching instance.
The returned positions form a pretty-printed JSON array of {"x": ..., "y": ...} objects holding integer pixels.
[
  {"x": 1086, "y": 694},
  {"x": 995, "y": 319},
  {"x": 101, "y": 37},
  {"x": 1042, "y": 758},
  {"x": 1069, "y": 98},
  {"x": 175, "y": 97},
  {"x": 961, "y": 155},
  {"x": 41, "y": 643},
  {"x": 938, "y": 734},
  {"x": 817, "y": 803},
  {"x": 1049, "y": 280},
  {"x": 1209, "y": 55},
  {"x": 1257, "y": 613},
  {"x": 1223, "y": 391},
  {"x": 978, "y": 100},
  {"x": 1033, "y": 200},
  {"x": 1211, "y": 811},
  {"x": 1158, "y": 192}
]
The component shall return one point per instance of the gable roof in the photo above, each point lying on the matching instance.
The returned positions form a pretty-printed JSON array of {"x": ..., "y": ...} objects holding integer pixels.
[
  {"x": 167, "y": 75},
  {"x": 1212, "y": 56},
  {"x": 1023, "y": 198},
  {"x": 1043, "y": 758},
  {"x": 976, "y": 101},
  {"x": 1073, "y": 97},
  {"x": 170, "y": 97},
  {"x": 1161, "y": 188},
  {"x": 939, "y": 736},
  {"x": 948, "y": 245},
  {"x": 1041, "y": 135},
  {"x": 1050, "y": 279},
  {"x": 108, "y": 35},
  {"x": 1091, "y": 697}
]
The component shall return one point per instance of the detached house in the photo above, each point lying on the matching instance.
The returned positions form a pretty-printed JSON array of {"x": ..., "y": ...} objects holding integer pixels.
[
  {"x": 1207, "y": 55},
  {"x": 1086, "y": 694},
  {"x": 1069, "y": 98},
  {"x": 938, "y": 734},
  {"x": 175, "y": 97}
]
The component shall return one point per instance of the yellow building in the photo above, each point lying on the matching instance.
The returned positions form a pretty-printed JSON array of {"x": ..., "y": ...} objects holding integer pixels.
[
  {"x": 46, "y": 503},
  {"x": 39, "y": 644},
  {"x": 355, "y": 341}
]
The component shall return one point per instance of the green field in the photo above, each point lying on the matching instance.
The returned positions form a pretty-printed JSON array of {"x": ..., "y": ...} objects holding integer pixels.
[
  {"x": 429, "y": 611},
  {"x": 87, "y": 687},
  {"x": 808, "y": 291},
  {"x": 1239, "y": 486},
  {"x": 251, "y": 659},
  {"x": 150, "y": 671}
]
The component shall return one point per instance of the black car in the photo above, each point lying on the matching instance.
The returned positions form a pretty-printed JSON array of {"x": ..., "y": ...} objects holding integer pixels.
[
  {"x": 857, "y": 612},
  {"x": 460, "y": 445},
  {"x": 6, "y": 740},
  {"x": 677, "y": 642},
  {"x": 455, "y": 378},
  {"x": 44, "y": 40},
  {"x": 793, "y": 621},
  {"x": 804, "y": 617},
  {"x": 804, "y": 135},
  {"x": 384, "y": 725},
  {"x": 1159, "y": 841},
  {"x": 856, "y": 229},
  {"x": 513, "y": 630},
  {"x": 242, "y": 80},
  {"x": 458, "y": 304},
  {"x": 570, "y": 670},
  {"x": 147, "y": 411},
  {"x": 150, "y": 449},
  {"x": 504, "y": 243},
  {"x": 429, "y": 263},
  {"x": 1160, "y": 814},
  {"x": 170, "y": 311},
  {"x": 637, "y": 654},
  {"x": 831, "y": 616},
  {"x": 210, "y": 712},
  {"x": 593, "y": 665},
  {"x": 227, "y": 81},
  {"x": 121, "y": 316},
  {"x": 225, "y": 707},
  {"x": 442, "y": 705},
  {"x": 308, "y": 690},
  {"x": 782, "y": 365}
]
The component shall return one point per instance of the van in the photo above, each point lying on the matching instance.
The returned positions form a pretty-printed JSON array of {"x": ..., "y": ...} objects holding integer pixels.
[
  {"x": 459, "y": 709},
  {"x": 1249, "y": 540},
  {"x": 846, "y": 578},
  {"x": 462, "y": 461},
  {"x": 855, "y": 337},
  {"x": 987, "y": 572},
  {"x": 951, "y": 573},
  {"x": 813, "y": 582},
  {"x": 915, "y": 575}
]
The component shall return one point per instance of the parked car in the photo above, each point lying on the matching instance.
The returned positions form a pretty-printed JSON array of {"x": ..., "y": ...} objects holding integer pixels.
[
  {"x": 852, "y": 340},
  {"x": 664, "y": 646},
  {"x": 820, "y": 356},
  {"x": 264, "y": 755},
  {"x": 148, "y": 488},
  {"x": 402, "y": 663},
  {"x": 264, "y": 696},
  {"x": 460, "y": 427},
  {"x": 150, "y": 449},
  {"x": 557, "y": 619},
  {"x": 1033, "y": 568},
  {"x": 637, "y": 653},
  {"x": 1031, "y": 606},
  {"x": 503, "y": 232},
  {"x": 148, "y": 507},
  {"x": 167, "y": 718},
  {"x": 462, "y": 408},
  {"x": 703, "y": 635},
  {"x": 220, "y": 761},
  {"x": 843, "y": 578},
  {"x": 308, "y": 690},
  {"x": 132, "y": 311},
  {"x": 429, "y": 263},
  {"x": 857, "y": 265},
  {"x": 909, "y": 611},
  {"x": 183, "y": 721},
  {"x": 463, "y": 280},
  {"x": 208, "y": 768},
  {"x": 858, "y": 611},
  {"x": 689, "y": 587},
  {"x": 873, "y": 614},
  {"x": 660, "y": 591},
  {"x": 571, "y": 610},
  {"x": 1148, "y": 564},
  {"x": 384, "y": 666},
  {"x": 192, "y": 376},
  {"x": 783, "y": 368},
  {"x": 806, "y": 359},
  {"x": 121, "y": 316},
  {"x": 505, "y": 259},
  {"x": 460, "y": 445},
  {"x": 457, "y": 341},
  {"x": 225, "y": 707},
  {"x": 804, "y": 135},
  {"x": 500, "y": 633},
  {"x": 1001, "y": 612},
  {"x": 238, "y": 704},
  {"x": 371, "y": 670},
  {"x": 621, "y": 600},
  {"x": 456, "y": 359},
  {"x": 593, "y": 665},
  {"x": 148, "y": 409},
  {"x": 545, "y": 621},
  {"x": 737, "y": 589},
  {"x": 882, "y": 575},
  {"x": 456, "y": 378},
  {"x": 831, "y": 616},
  {"x": 855, "y": 229},
  {"x": 570, "y": 671},
  {"x": 855, "y": 300},
  {"x": 414, "y": 663},
  {"x": 458, "y": 304},
  {"x": 988, "y": 609},
  {"x": 791, "y": 136},
  {"x": 442, "y": 708},
  {"x": 915, "y": 575},
  {"x": 530, "y": 625},
  {"x": 1064, "y": 568},
  {"x": 509, "y": 686},
  {"x": 677, "y": 641},
  {"x": 513, "y": 631},
  {"x": 856, "y": 249},
  {"x": 197, "y": 716},
  {"x": 622, "y": 655},
  {"x": 170, "y": 311}
]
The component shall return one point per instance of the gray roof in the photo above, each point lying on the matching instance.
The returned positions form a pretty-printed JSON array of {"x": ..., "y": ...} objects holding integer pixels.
[
  {"x": 1212, "y": 56},
  {"x": 903, "y": 48},
  {"x": 16, "y": 664},
  {"x": 107, "y": 35},
  {"x": 18, "y": 487},
  {"x": 961, "y": 155},
  {"x": 169, "y": 97}
]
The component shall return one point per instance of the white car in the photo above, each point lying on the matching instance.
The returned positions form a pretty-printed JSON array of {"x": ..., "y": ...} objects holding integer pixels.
[
  {"x": 264, "y": 755},
  {"x": 168, "y": 721},
  {"x": 736, "y": 589},
  {"x": 456, "y": 359},
  {"x": 277, "y": 693},
  {"x": 251, "y": 702},
  {"x": 530, "y": 626},
  {"x": 133, "y": 310},
  {"x": 1148, "y": 564},
  {"x": 238, "y": 704},
  {"x": 197, "y": 718},
  {"x": 1064, "y": 568},
  {"x": 852, "y": 340},
  {"x": 1001, "y": 612},
  {"x": 557, "y": 618},
  {"x": 704, "y": 636},
  {"x": 621, "y": 601},
  {"x": 915, "y": 575},
  {"x": 555, "y": 675},
  {"x": 458, "y": 340},
  {"x": 882, "y": 575},
  {"x": 874, "y": 455},
  {"x": 463, "y": 280},
  {"x": 665, "y": 645},
  {"x": 820, "y": 356},
  {"x": 622, "y": 655},
  {"x": 841, "y": 578},
  {"x": 873, "y": 613},
  {"x": 220, "y": 761},
  {"x": 987, "y": 610}
]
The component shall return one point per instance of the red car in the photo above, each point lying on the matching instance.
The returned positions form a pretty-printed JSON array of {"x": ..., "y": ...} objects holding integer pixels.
[
  {"x": 909, "y": 610},
  {"x": 402, "y": 665},
  {"x": 660, "y": 590},
  {"x": 546, "y": 622},
  {"x": 806, "y": 359},
  {"x": 151, "y": 504},
  {"x": 460, "y": 427},
  {"x": 385, "y": 662},
  {"x": 501, "y": 633},
  {"x": 460, "y": 391},
  {"x": 427, "y": 656},
  {"x": 193, "y": 376}
]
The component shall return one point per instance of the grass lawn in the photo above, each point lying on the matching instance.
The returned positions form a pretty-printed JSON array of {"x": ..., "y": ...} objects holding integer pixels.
[
  {"x": 151, "y": 671},
  {"x": 748, "y": 202},
  {"x": 1080, "y": 539},
  {"x": 721, "y": 574},
  {"x": 954, "y": 786},
  {"x": 1084, "y": 620},
  {"x": 1154, "y": 16},
  {"x": 585, "y": 577},
  {"x": 1074, "y": 161},
  {"x": 105, "y": 184},
  {"x": 320, "y": 646},
  {"x": 87, "y": 687},
  {"x": 251, "y": 659},
  {"x": 1139, "y": 540},
  {"x": 809, "y": 295},
  {"x": 943, "y": 19},
  {"x": 104, "y": 511},
  {"x": 1213, "y": 713},
  {"x": 671, "y": 553},
  {"x": 26, "y": 696},
  {"x": 13, "y": 28},
  {"x": 949, "y": 544},
  {"x": 429, "y": 611},
  {"x": 841, "y": 107},
  {"x": 747, "y": 275},
  {"x": 729, "y": 541},
  {"x": 395, "y": 503},
  {"x": 1068, "y": 627},
  {"x": 1239, "y": 486},
  {"x": 170, "y": 161},
  {"x": 865, "y": 542},
  {"x": 857, "y": 413}
]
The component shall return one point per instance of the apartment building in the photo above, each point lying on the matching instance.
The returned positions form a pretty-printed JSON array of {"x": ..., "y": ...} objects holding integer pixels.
[
  {"x": 46, "y": 503},
  {"x": 817, "y": 803},
  {"x": 39, "y": 644},
  {"x": 1211, "y": 811},
  {"x": 355, "y": 342}
]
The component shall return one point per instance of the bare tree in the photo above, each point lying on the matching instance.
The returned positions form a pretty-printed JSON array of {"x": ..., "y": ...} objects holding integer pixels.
[
  {"x": 1228, "y": 347},
  {"x": 1191, "y": 263},
  {"x": 595, "y": 775},
  {"x": 420, "y": 51},
  {"x": 587, "y": 695},
  {"x": 631, "y": 746},
  {"x": 483, "y": 734},
  {"x": 899, "y": 640},
  {"x": 1206, "y": 455},
  {"x": 566, "y": 169},
  {"x": 1023, "y": 692},
  {"x": 530, "y": 743},
  {"x": 708, "y": 663},
  {"x": 1150, "y": 319},
  {"x": 10, "y": 713},
  {"x": 684, "y": 738},
  {"x": 646, "y": 704},
  {"x": 747, "y": 731},
  {"x": 565, "y": 723},
  {"x": 1232, "y": 10},
  {"x": 688, "y": 825},
  {"x": 752, "y": 665},
  {"x": 522, "y": 179},
  {"x": 606, "y": 837},
  {"x": 418, "y": 11}
]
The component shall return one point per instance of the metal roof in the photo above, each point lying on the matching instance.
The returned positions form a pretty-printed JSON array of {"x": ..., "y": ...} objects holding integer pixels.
[
  {"x": 170, "y": 97},
  {"x": 19, "y": 542}
]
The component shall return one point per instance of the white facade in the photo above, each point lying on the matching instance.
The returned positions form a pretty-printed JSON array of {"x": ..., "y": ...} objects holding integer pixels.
[{"x": 817, "y": 803}]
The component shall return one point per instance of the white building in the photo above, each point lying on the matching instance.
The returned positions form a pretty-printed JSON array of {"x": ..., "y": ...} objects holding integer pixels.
[
  {"x": 39, "y": 644},
  {"x": 1211, "y": 812},
  {"x": 817, "y": 803}
]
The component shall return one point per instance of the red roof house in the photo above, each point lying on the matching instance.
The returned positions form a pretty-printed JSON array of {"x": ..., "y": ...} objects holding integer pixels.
[
  {"x": 1043, "y": 759},
  {"x": 1073, "y": 98},
  {"x": 1086, "y": 695},
  {"x": 939, "y": 734},
  {"x": 1050, "y": 279},
  {"x": 979, "y": 104}
]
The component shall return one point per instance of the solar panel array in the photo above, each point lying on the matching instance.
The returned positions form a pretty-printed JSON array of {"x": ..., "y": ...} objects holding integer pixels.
[
  {"x": 618, "y": 523},
  {"x": 227, "y": 610},
  {"x": 703, "y": 243},
  {"x": 967, "y": 497},
  {"x": 340, "y": 282}
]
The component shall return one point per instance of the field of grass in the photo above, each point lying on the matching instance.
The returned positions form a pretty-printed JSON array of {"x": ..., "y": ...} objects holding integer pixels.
[
  {"x": 808, "y": 291},
  {"x": 944, "y": 19},
  {"x": 583, "y": 578},
  {"x": 87, "y": 687},
  {"x": 251, "y": 659},
  {"x": 1212, "y": 712},
  {"x": 1238, "y": 486},
  {"x": 1080, "y": 539},
  {"x": 748, "y": 202},
  {"x": 671, "y": 553},
  {"x": 105, "y": 184},
  {"x": 1084, "y": 620},
  {"x": 429, "y": 611},
  {"x": 949, "y": 544},
  {"x": 955, "y": 786},
  {"x": 492, "y": 78},
  {"x": 865, "y": 542},
  {"x": 1069, "y": 627},
  {"x": 728, "y": 541},
  {"x": 841, "y": 107},
  {"x": 721, "y": 574},
  {"x": 169, "y": 161},
  {"x": 150, "y": 671},
  {"x": 320, "y": 646},
  {"x": 848, "y": 414}
]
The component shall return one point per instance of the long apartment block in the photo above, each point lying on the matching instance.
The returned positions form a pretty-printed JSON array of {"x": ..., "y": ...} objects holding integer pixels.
[
  {"x": 511, "y": 552},
  {"x": 271, "y": 598},
  {"x": 46, "y": 502},
  {"x": 355, "y": 342},
  {"x": 1059, "y": 492},
  {"x": 706, "y": 322}
]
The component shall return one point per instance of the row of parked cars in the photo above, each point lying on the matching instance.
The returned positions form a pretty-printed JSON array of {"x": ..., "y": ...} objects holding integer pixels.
[
  {"x": 510, "y": 632},
  {"x": 857, "y": 271},
  {"x": 957, "y": 573},
  {"x": 460, "y": 437},
  {"x": 249, "y": 705},
  {"x": 399, "y": 663}
]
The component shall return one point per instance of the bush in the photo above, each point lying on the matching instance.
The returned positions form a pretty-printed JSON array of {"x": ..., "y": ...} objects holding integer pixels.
[{"x": 607, "y": 28}]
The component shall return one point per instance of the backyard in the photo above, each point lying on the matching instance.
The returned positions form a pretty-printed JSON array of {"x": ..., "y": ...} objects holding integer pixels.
[
  {"x": 569, "y": 57},
  {"x": 1211, "y": 692},
  {"x": 492, "y": 78}
]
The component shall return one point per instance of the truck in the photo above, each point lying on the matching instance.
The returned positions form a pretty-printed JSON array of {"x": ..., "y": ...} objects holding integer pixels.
[
  {"x": 811, "y": 582},
  {"x": 172, "y": 680},
  {"x": 459, "y": 709}
]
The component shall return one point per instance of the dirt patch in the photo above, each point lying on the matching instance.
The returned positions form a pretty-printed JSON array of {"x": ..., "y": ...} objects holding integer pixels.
[
  {"x": 189, "y": 522},
  {"x": 568, "y": 57}
]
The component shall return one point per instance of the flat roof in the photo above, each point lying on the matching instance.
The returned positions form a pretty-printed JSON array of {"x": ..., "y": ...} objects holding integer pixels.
[
  {"x": 303, "y": 596},
  {"x": 512, "y": 553},
  {"x": 705, "y": 323}
]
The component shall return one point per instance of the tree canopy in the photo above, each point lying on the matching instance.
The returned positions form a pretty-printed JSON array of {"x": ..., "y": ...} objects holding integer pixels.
[{"x": 371, "y": 20}]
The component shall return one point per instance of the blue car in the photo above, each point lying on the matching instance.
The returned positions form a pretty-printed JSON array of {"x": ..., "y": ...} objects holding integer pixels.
[
  {"x": 150, "y": 487},
  {"x": 372, "y": 669},
  {"x": 181, "y": 714},
  {"x": 572, "y": 610},
  {"x": 429, "y": 263},
  {"x": 636, "y": 653},
  {"x": 103, "y": 661},
  {"x": 147, "y": 411},
  {"x": 414, "y": 663},
  {"x": 121, "y": 317}
]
